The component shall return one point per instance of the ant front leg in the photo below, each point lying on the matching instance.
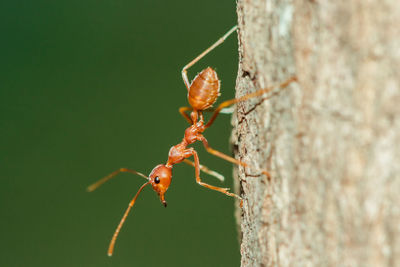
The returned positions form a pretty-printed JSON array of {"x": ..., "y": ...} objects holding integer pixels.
[
  {"x": 226, "y": 157},
  {"x": 198, "y": 179}
]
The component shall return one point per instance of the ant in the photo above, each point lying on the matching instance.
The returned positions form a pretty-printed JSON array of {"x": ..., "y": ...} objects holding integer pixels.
[{"x": 203, "y": 92}]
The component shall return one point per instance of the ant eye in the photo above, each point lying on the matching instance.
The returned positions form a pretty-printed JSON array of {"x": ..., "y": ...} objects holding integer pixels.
[{"x": 157, "y": 180}]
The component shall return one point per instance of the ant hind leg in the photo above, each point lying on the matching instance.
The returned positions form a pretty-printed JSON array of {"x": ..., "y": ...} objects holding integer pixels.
[
  {"x": 205, "y": 52},
  {"x": 230, "y": 102},
  {"x": 182, "y": 111}
]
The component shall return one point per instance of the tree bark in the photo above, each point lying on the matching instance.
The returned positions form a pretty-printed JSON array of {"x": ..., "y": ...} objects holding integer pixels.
[{"x": 330, "y": 140}]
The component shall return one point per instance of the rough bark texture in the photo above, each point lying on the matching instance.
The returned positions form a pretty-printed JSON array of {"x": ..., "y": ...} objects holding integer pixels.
[{"x": 331, "y": 140}]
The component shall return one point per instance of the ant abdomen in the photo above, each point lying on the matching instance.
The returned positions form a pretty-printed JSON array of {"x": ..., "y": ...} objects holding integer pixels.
[{"x": 204, "y": 89}]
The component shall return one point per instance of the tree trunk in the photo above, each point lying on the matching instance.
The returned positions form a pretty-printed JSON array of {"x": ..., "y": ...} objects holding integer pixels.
[{"x": 331, "y": 140}]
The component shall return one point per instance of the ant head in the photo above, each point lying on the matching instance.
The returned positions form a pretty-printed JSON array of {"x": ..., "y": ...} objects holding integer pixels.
[{"x": 160, "y": 179}]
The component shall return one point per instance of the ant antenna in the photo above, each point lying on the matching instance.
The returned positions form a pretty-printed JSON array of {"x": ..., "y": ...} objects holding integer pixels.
[
  {"x": 97, "y": 184},
  {"x": 114, "y": 238}
]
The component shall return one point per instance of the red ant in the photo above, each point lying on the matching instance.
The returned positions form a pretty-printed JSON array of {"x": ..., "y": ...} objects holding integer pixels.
[{"x": 202, "y": 94}]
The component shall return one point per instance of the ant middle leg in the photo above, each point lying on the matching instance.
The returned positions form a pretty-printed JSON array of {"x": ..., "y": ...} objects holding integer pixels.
[
  {"x": 228, "y": 158},
  {"x": 206, "y": 170}
]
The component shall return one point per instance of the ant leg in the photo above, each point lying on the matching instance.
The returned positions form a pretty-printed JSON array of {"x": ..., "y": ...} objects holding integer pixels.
[
  {"x": 245, "y": 97},
  {"x": 94, "y": 186},
  {"x": 198, "y": 179},
  {"x": 226, "y": 157},
  {"x": 206, "y": 170},
  {"x": 182, "y": 111},
  {"x": 191, "y": 63}
]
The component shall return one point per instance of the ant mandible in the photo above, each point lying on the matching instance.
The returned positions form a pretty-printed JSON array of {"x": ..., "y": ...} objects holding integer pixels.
[{"x": 202, "y": 94}]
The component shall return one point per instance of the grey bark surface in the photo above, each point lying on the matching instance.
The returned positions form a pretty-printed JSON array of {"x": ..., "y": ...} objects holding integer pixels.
[{"x": 330, "y": 140}]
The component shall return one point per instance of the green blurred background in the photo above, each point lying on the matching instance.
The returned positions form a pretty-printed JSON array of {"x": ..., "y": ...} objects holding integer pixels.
[{"x": 87, "y": 87}]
